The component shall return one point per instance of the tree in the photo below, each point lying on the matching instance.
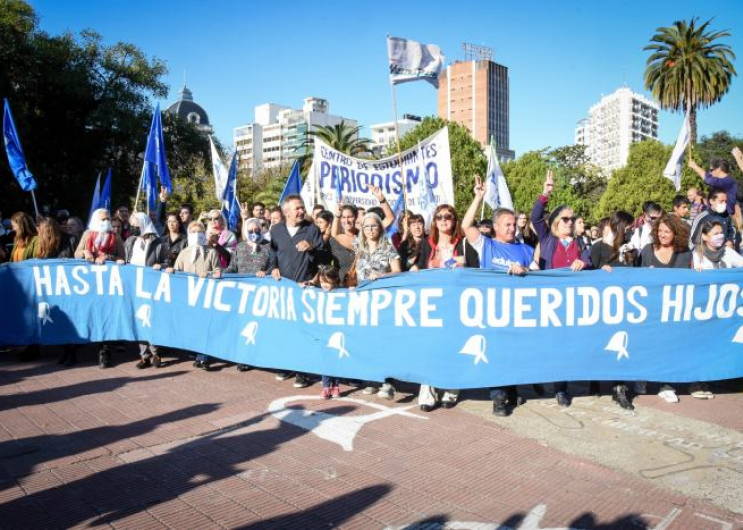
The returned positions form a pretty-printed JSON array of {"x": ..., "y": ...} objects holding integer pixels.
[
  {"x": 689, "y": 68},
  {"x": 525, "y": 178},
  {"x": 341, "y": 137},
  {"x": 467, "y": 159},
  {"x": 642, "y": 180},
  {"x": 80, "y": 107},
  {"x": 719, "y": 145}
]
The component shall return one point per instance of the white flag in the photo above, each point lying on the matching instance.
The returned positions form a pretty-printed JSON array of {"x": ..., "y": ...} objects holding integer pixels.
[
  {"x": 676, "y": 163},
  {"x": 413, "y": 61},
  {"x": 496, "y": 189},
  {"x": 221, "y": 174},
  {"x": 426, "y": 199}
]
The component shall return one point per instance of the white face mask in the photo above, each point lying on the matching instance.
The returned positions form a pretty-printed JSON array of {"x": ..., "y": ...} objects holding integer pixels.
[
  {"x": 721, "y": 207},
  {"x": 717, "y": 240},
  {"x": 105, "y": 226},
  {"x": 196, "y": 238}
]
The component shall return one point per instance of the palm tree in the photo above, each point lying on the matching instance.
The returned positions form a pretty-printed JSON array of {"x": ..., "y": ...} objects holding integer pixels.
[
  {"x": 341, "y": 137},
  {"x": 688, "y": 69}
]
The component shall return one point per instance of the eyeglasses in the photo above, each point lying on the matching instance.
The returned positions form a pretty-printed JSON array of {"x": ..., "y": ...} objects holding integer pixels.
[
  {"x": 444, "y": 217},
  {"x": 371, "y": 227},
  {"x": 567, "y": 219}
]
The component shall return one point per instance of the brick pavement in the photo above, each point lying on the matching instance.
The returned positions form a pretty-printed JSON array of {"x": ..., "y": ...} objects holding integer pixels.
[{"x": 182, "y": 448}]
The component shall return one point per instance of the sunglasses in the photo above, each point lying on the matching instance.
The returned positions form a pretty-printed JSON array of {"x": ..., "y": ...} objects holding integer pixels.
[
  {"x": 444, "y": 217},
  {"x": 567, "y": 219},
  {"x": 653, "y": 218}
]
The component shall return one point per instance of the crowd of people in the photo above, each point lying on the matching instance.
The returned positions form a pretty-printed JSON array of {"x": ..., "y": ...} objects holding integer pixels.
[{"x": 329, "y": 250}]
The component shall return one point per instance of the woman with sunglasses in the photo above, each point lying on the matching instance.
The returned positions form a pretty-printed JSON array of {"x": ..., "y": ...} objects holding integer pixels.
[
  {"x": 446, "y": 247},
  {"x": 220, "y": 238},
  {"x": 558, "y": 249}
]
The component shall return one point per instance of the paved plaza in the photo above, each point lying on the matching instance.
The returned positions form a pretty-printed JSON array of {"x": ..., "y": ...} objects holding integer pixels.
[{"x": 178, "y": 447}]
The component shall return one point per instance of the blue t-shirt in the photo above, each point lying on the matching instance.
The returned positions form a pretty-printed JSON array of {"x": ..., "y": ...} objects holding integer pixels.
[
  {"x": 500, "y": 256},
  {"x": 727, "y": 184}
]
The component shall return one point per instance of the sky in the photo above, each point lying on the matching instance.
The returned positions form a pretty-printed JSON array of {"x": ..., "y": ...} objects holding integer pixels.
[{"x": 562, "y": 56}]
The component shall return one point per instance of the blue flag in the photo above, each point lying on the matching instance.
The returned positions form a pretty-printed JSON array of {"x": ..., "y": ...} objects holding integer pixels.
[
  {"x": 397, "y": 210},
  {"x": 293, "y": 184},
  {"x": 155, "y": 164},
  {"x": 231, "y": 207},
  {"x": 16, "y": 158},
  {"x": 104, "y": 199},
  {"x": 94, "y": 204}
]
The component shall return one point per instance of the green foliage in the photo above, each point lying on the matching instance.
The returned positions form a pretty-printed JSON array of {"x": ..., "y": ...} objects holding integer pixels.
[
  {"x": 719, "y": 145},
  {"x": 578, "y": 183},
  {"x": 80, "y": 107},
  {"x": 642, "y": 180},
  {"x": 340, "y": 137},
  {"x": 689, "y": 68},
  {"x": 467, "y": 159}
]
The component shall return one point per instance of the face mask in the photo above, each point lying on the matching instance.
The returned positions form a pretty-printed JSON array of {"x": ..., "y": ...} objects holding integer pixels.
[
  {"x": 196, "y": 238},
  {"x": 106, "y": 226},
  {"x": 253, "y": 237},
  {"x": 609, "y": 238},
  {"x": 717, "y": 240},
  {"x": 721, "y": 208}
]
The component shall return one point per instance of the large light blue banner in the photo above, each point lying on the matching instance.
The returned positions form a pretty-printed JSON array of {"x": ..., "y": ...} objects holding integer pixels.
[{"x": 452, "y": 329}]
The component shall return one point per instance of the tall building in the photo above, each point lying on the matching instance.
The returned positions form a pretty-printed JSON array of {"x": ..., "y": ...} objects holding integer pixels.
[
  {"x": 191, "y": 111},
  {"x": 276, "y": 134},
  {"x": 383, "y": 134},
  {"x": 613, "y": 124},
  {"x": 475, "y": 94}
]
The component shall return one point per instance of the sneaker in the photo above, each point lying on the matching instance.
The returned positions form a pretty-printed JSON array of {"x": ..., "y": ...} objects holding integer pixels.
[
  {"x": 197, "y": 364},
  {"x": 325, "y": 394},
  {"x": 619, "y": 395},
  {"x": 144, "y": 363},
  {"x": 700, "y": 391},
  {"x": 641, "y": 388},
  {"x": 563, "y": 399},
  {"x": 244, "y": 368},
  {"x": 499, "y": 407},
  {"x": 387, "y": 391},
  {"x": 104, "y": 361},
  {"x": 369, "y": 390},
  {"x": 206, "y": 366},
  {"x": 668, "y": 394},
  {"x": 426, "y": 408},
  {"x": 301, "y": 382},
  {"x": 335, "y": 391},
  {"x": 283, "y": 376}
]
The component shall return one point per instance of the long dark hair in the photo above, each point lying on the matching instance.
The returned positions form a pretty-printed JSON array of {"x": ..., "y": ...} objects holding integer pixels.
[
  {"x": 413, "y": 246},
  {"x": 618, "y": 223}
]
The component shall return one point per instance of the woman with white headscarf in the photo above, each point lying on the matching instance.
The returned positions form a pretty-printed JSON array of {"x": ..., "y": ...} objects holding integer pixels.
[
  {"x": 251, "y": 256},
  {"x": 144, "y": 250},
  {"x": 99, "y": 243}
]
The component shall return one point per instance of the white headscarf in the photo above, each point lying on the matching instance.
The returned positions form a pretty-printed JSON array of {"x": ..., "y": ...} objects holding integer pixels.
[
  {"x": 101, "y": 228},
  {"x": 146, "y": 227}
]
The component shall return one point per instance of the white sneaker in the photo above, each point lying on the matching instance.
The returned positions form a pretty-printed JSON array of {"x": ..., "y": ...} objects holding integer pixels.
[
  {"x": 700, "y": 391},
  {"x": 641, "y": 387},
  {"x": 387, "y": 391},
  {"x": 668, "y": 393},
  {"x": 369, "y": 390}
]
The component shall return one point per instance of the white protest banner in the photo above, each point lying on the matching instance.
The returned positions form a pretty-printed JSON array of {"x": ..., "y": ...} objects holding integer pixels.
[{"x": 356, "y": 177}]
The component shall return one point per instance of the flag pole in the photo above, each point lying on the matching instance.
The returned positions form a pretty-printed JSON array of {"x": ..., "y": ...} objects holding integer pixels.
[
  {"x": 399, "y": 152},
  {"x": 36, "y": 208},
  {"x": 139, "y": 187}
]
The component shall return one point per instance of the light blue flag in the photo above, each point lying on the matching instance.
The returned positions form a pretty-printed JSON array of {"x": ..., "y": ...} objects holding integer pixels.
[
  {"x": 104, "y": 200},
  {"x": 398, "y": 211},
  {"x": 155, "y": 151},
  {"x": 94, "y": 204},
  {"x": 231, "y": 207},
  {"x": 13, "y": 148},
  {"x": 293, "y": 184}
]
